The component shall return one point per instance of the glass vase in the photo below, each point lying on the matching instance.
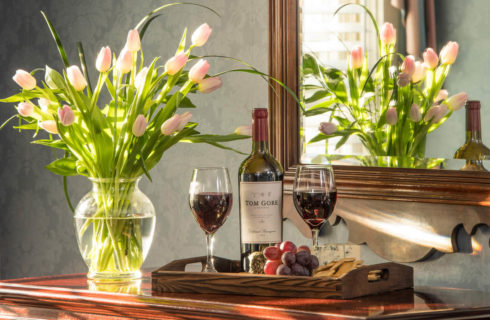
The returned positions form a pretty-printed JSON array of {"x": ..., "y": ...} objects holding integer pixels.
[{"x": 114, "y": 223}]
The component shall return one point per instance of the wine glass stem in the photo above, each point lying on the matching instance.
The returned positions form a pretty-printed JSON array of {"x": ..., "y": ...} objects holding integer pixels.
[
  {"x": 314, "y": 237},
  {"x": 209, "y": 246}
]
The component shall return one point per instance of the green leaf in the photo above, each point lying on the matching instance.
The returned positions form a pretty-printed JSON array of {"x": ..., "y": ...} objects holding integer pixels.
[
  {"x": 63, "y": 167},
  {"x": 211, "y": 138},
  {"x": 373, "y": 20},
  {"x": 320, "y": 94},
  {"x": 181, "y": 47},
  {"x": 81, "y": 55},
  {"x": 58, "y": 144},
  {"x": 22, "y": 96},
  {"x": 54, "y": 79},
  {"x": 61, "y": 49},
  {"x": 342, "y": 141},
  {"x": 28, "y": 126},
  {"x": 8, "y": 120},
  {"x": 310, "y": 65},
  {"x": 145, "y": 170},
  {"x": 146, "y": 25}
]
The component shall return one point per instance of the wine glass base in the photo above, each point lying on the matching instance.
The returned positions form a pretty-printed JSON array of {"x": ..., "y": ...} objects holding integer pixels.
[{"x": 209, "y": 269}]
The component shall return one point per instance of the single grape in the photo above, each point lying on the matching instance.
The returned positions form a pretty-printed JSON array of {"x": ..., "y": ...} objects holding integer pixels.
[
  {"x": 272, "y": 253},
  {"x": 288, "y": 246},
  {"x": 304, "y": 248},
  {"x": 306, "y": 271},
  {"x": 271, "y": 266},
  {"x": 313, "y": 262},
  {"x": 302, "y": 257},
  {"x": 298, "y": 270},
  {"x": 288, "y": 258},
  {"x": 283, "y": 270}
]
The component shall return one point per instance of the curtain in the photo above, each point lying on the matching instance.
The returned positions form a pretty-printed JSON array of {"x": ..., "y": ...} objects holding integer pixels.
[{"x": 419, "y": 20}]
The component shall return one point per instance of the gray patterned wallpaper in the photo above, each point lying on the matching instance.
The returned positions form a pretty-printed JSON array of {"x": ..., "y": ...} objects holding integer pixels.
[{"x": 36, "y": 227}]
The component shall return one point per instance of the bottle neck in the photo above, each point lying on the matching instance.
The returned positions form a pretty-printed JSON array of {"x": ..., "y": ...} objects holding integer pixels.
[
  {"x": 260, "y": 135},
  {"x": 473, "y": 125}
]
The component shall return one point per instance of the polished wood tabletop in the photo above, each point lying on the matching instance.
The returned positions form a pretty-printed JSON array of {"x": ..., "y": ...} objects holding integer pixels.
[{"x": 73, "y": 297}]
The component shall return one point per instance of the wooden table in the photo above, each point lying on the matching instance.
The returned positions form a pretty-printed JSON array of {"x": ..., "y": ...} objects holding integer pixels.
[{"x": 72, "y": 297}]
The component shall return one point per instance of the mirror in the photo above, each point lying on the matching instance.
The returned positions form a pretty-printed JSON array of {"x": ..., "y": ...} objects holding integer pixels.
[
  {"x": 325, "y": 41},
  {"x": 426, "y": 197}
]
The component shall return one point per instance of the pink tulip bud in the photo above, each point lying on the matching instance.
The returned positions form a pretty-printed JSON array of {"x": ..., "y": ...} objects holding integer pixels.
[
  {"x": 327, "y": 128},
  {"x": 356, "y": 58},
  {"x": 244, "y": 130},
  {"x": 76, "y": 78},
  {"x": 431, "y": 60},
  {"x": 388, "y": 33},
  {"x": 209, "y": 84},
  {"x": 201, "y": 35},
  {"x": 184, "y": 119},
  {"x": 419, "y": 73},
  {"x": 133, "y": 42},
  {"x": 44, "y": 104},
  {"x": 124, "y": 61},
  {"x": 198, "y": 71},
  {"x": 391, "y": 116},
  {"x": 440, "y": 114},
  {"x": 66, "y": 115},
  {"x": 432, "y": 113},
  {"x": 24, "y": 79},
  {"x": 49, "y": 126},
  {"x": 441, "y": 96},
  {"x": 415, "y": 114},
  {"x": 457, "y": 101},
  {"x": 104, "y": 59},
  {"x": 139, "y": 125},
  {"x": 139, "y": 81},
  {"x": 408, "y": 65},
  {"x": 403, "y": 79},
  {"x": 25, "y": 109},
  {"x": 449, "y": 52},
  {"x": 174, "y": 64},
  {"x": 171, "y": 125}
]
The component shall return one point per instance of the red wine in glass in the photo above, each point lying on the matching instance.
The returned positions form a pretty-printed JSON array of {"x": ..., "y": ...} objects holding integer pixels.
[
  {"x": 211, "y": 209},
  {"x": 314, "y": 196}
]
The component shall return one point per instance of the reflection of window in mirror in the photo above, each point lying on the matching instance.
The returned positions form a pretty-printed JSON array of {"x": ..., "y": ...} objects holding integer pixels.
[{"x": 330, "y": 38}]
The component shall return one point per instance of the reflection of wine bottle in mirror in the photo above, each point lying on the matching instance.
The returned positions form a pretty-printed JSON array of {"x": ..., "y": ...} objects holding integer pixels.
[
  {"x": 260, "y": 177},
  {"x": 473, "y": 150}
]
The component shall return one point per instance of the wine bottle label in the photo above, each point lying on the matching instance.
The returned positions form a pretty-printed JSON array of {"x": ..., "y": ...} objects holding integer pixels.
[{"x": 261, "y": 211}]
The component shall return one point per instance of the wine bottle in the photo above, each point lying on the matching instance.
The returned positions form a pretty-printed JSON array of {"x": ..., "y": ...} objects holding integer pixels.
[
  {"x": 260, "y": 177},
  {"x": 473, "y": 150}
]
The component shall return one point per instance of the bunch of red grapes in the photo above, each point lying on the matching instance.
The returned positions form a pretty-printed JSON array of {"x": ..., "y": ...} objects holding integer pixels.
[{"x": 286, "y": 260}]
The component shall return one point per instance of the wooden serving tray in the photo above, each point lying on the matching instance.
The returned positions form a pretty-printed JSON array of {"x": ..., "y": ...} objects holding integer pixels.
[{"x": 229, "y": 280}]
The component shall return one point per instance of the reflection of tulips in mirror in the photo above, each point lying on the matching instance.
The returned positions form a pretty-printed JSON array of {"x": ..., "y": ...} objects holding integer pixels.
[{"x": 391, "y": 106}]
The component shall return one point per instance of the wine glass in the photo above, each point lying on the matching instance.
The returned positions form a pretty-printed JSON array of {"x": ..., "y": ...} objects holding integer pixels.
[
  {"x": 210, "y": 200},
  {"x": 314, "y": 196}
]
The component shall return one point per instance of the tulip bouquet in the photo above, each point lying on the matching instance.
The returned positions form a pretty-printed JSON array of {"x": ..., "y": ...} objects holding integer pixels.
[
  {"x": 390, "y": 108},
  {"x": 119, "y": 139}
]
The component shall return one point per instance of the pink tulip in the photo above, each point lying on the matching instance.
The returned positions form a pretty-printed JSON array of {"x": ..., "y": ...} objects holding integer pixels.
[
  {"x": 457, "y": 101},
  {"x": 139, "y": 81},
  {"x": 24, "y": 79},
  {"x": 431, "y": 60},
  {"x": 440, "y": 114},
  {"x": 171, "y": 125},
  {"x": 66, "y": 115},
  {"x": 432, "y": 113},
  {"x": 139, "y": 125},
  {"x": 49, "y": 126},
  {"x": 327, "y": 128},
  {"x": 419, "y": 73},
  {"x": 441, "y": 96},
  {"x": 408, "y": 66},
  {"x": 76, "y": 78},
  {"x": 124, "y": 61},
  {"x": 415, "y": 114},
  {"x": 133, "y": 42},
  {"x": 184, "y": 119},
  {"x": 388, "y": 33},
  {"x": 403, "y": 79},
  {"x": 104, "y": 59},
  {"x": 356, "y": 58},
  {"x": 174, "y": 64},
  {"x": 449, "y": 52},
  {"x": 25, "y": 109},
  {"x": 209, "y": 84},
  {"x": 391, "y": 116},
  {"x": 44, "y": 104},
  {"x": 244, "y": 130},
  {"x": 201, "y": 35},
  {"x": 198, "y": 71}
]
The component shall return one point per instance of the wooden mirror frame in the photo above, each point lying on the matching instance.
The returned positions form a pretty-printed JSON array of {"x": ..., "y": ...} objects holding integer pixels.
[{"x": 353, "y": 182}]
